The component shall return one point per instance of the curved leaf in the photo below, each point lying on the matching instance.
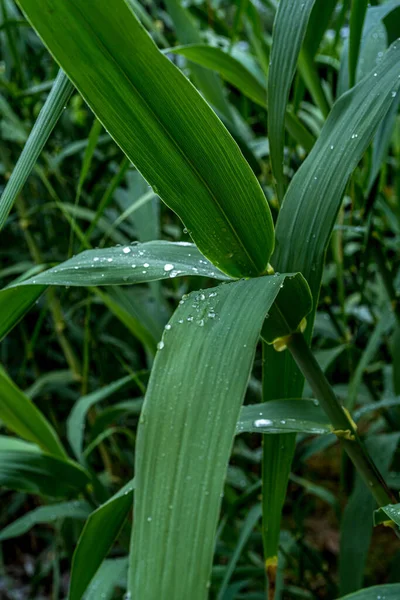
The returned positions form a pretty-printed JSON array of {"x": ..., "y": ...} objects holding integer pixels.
[
  {"x": 136, "y": 263},
  {"x": 289, "y": 30},
  {"x": 377, "y": 592},
  {"x": 78, "y": 509},
  {"x": 76, "y": 420},
  {"x": 97, "y": 537},
  {"x": 283, "y": 416},
  {"x": 19, "y": 414},
  {"x": 163, "y": 125},
  {"x": 186, "y": 430},
  {"x": 48, "y": 117},
  {"x": 23, "y": 467}
]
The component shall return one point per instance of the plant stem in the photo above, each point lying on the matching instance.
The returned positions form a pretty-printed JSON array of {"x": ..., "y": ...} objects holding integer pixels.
[{"x": 344, "y": 426}]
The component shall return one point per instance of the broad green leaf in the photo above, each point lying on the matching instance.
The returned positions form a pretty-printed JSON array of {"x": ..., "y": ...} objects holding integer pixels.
[
  {"x": 186, "y": 430},
  {"x": 111, "y": 573},
  {"x": 96, "y": 539},
  {"x": 288, "y": 33},
  {"x": 23, "y": 467},
  {"x": 389, "y": 591},
  {"x": 20, "y": 415},
  {"x": 308, "y": 222},
  {"x": 48, "y": 117},
  {"x": 78, "y": 509},
  {"x": 230, "y": 69},
  {"x": 76, "y": 420},
  {"x": 283, "y": 416},
  {"x": 163, "y": 125},
  {"x": 135, "y": 263}
]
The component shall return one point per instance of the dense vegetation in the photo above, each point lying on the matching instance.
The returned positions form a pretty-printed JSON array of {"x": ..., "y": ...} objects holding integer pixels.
[{"x": 283, "y": 171}]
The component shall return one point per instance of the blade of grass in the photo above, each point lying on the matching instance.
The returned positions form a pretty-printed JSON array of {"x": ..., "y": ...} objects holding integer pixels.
[
  {"x": 96, "y": 539},
  {"x": 44, "y": 125},
  {"x": 288, "y": 33},
  {"x": 18, "y": 413}
]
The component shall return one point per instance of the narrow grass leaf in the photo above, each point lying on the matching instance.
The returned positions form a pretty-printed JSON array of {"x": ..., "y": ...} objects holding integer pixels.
[
  {"x": 77, "y": 509},
  {"x": 23, "y": 467},
  {"x": 208, "y": 83},
  {"x": 357, "y": 16},
  {"x": 163, "y": 125},
  {"x": 112, "y": 573},
  {"x": 96, "y": 539},
  {"x": 20, "y": 415},
  {"x": 76, "y": 420},
  {"x": 308, "y": 222},
  {"x": 251, "y": 520},
  {"x": 288, "y": 33},
  {"x": 186, "y": 431},
  {"x": 47, "y": 119},
  {"x": 230, "y": 69},
  {"x": 283, "y": 416}
]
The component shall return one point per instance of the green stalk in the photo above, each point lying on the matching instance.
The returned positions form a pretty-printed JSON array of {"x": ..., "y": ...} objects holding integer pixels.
[{"x": 344, "y": 426}]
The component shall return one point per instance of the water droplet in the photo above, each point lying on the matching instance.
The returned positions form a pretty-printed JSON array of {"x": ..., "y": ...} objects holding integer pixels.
[
  {"x": 160, "y": 345},
  {"x": 126, "y": 250},
  {"x": 146, "y": 265},
  {"x": 263, "y": 423},
  {"x": 149, "y": 519},
  {"x": 168, "y": 267},
  {"x": 109, "y": 259},
  {"x": 96, "y": 258},
  {"x": 168, "y": 326}
]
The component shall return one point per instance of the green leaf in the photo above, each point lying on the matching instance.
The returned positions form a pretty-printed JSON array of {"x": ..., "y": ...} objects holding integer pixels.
[
  {"x": 307, "y": 222},
  {"x": 186, "y": 430},
  {"x": 76, "y": 420},
  {"x": 230, "y": 69},
  {"x": 14, "y": 304},
  {"x": 78, "y": 509},
  {"x": 136, "y": 263},
  {"x": 351, "y": 125},
  {"x": 357, "y": 520},
  {"x": 357, "y": 16},
  {"x": 163, "y": 125},
  {"x": 283, "y": 416},
  {"x": 97, "y": 537},
  {"x": 377, "y": 592},
  {"x": 251, "y": 520},
  {"x": 188, "y": 33},
  {"x": 390, "y": 512},
  {"x": 21, "y": 416},
  {"x": 288, "y": 33},
  {"x": 384, "y": 325},
  {"x": 48, "y": 117},
  {"x": 23, "y": 467},
  {"x": 111, "y": 573}
]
